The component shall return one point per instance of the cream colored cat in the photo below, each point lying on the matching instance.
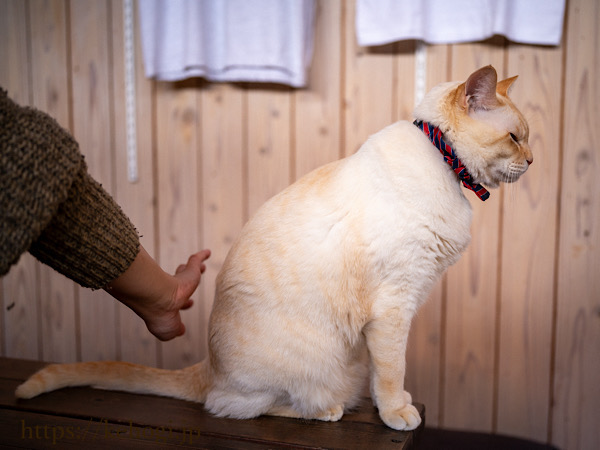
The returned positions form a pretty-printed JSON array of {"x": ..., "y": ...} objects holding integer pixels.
[{"x": 319, "y": 291}]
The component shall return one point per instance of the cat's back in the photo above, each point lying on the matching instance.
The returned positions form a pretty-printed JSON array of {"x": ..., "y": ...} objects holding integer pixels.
[
  {"x": 386, "y": 193},
  {"x": 391, "y": 164}
]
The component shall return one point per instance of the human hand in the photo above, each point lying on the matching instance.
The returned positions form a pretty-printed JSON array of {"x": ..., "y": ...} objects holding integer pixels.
[
  {"x": 165, "y": 322},
  {"x": 156, "y": 296}
]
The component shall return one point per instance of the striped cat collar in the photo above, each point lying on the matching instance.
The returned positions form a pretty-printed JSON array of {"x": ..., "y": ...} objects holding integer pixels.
[{"x": 435, "y": 136}]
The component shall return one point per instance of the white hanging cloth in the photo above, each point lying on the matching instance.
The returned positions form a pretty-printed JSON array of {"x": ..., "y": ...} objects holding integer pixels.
[
  {"x": 228, "y": 40},
  {"x": 451, "y": 21}
]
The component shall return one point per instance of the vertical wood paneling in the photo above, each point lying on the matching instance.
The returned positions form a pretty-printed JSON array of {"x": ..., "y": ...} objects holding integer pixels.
[
  {"x": 134, "y": 342},
  {"x": 472, "y": 288},
  {"x": 223, "y": 147},
  {"x": 269, "y": 144},
  {"x": 317, "y": 108},
  {"x": 528, "y": 250},
  {"x": 20, "y": 286},
  {"x": 424, "y": 354},
  {"x": 90, "y": 27},
  {"x": 49, "y": 58},
  {"x": 21, "y": 309},
  {"x": 369, "y": 88},
  {"x": 481, "y": 350},
  {"x": 13, "y": 26},
  {"x": 404, "y": 79},
  {"x": 50, "y": 89},
  {"x": 178, "y": 201},
  {"x": 577, "y": 362}
]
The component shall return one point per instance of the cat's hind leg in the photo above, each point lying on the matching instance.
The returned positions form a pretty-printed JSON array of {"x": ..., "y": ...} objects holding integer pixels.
[
  {"x": 332, "y": 414},
  {"x": 329, "y": 415},
  {"x": 239, "y": 404},
  {"x": 317, "y": 400}
]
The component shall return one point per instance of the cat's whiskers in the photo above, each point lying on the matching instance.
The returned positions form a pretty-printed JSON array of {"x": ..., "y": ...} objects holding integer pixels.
[
  {"x": 512, "y": 188},
  {"x": 509, "y": 180},
  {"x": 507, "y": 185}
]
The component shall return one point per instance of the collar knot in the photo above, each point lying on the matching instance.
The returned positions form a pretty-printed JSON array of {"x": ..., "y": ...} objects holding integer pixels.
[{"x": 436, "y": 137}]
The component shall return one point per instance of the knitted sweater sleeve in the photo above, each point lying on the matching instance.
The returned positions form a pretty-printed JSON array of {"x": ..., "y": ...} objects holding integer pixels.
[{"x": 51, "y": 206}]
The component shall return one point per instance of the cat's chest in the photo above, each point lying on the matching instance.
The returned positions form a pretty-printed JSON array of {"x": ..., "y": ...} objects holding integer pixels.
[{"x": 412, "y": 233}]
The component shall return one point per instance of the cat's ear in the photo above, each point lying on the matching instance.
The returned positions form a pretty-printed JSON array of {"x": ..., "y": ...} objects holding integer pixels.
[
  {"x": 504, "y": 86},
  {"x": 480, "y": 89}
]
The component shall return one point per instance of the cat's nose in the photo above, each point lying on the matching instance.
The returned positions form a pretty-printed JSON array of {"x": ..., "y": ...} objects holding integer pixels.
[{"x": 527, "y": 153}]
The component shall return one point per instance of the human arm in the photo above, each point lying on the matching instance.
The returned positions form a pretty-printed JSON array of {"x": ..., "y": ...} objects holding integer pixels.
[{"x": 52, "y": 207}]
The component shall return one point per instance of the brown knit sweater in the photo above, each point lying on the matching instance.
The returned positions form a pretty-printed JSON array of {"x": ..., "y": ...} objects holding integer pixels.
[{"x": 50, "y": 205}]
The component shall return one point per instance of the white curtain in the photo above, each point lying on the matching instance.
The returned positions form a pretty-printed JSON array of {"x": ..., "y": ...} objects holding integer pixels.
[
  {"x": 228, "y": 40},
  {"x": 451, "y": 21}
]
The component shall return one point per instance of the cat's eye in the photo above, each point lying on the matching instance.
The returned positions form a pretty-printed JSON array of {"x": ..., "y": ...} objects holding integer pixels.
[{"x": 513, "y": 137}]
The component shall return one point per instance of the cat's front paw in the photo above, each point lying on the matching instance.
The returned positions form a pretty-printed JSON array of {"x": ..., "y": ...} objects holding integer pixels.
[{"x": 406, "y": 418}]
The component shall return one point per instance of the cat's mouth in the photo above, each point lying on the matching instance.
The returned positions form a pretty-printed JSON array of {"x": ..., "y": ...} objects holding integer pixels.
[
  {"x": 515, "y": 170},
  {"x": 509, "y": 174}
]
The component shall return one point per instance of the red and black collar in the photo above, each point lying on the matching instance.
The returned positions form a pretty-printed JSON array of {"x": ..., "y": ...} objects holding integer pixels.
[{"x": 435, "y": 135}]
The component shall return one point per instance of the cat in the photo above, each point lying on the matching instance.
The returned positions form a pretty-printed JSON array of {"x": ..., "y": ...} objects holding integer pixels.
[{"x": 316, "y": 296}]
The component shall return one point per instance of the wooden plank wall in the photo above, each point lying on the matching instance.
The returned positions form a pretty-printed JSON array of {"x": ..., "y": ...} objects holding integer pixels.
[{"x": 510, "y": 339}]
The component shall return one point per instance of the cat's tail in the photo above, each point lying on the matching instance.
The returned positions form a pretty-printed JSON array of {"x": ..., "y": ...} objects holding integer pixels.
[{"x": 191, "y": 383}]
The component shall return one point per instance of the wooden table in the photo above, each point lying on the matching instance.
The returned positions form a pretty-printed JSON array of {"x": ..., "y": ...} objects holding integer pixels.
[{"x": 92, "y": 418}]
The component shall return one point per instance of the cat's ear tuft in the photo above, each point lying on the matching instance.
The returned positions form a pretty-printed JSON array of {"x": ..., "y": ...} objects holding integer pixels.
[
  {"x": 503, "y": 87},
  {"x": 480, "y": 89}
]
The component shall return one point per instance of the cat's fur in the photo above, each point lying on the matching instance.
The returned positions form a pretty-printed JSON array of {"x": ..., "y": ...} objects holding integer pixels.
[{"x": 320, "y": 289}]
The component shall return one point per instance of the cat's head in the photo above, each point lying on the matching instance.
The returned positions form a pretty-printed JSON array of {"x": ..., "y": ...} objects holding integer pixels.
[{"x": 488, "y": 133}]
